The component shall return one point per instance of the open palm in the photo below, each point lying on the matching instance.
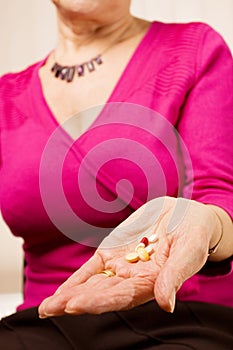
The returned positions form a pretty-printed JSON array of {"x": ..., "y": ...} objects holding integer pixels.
[{"x": 176, "y": 256}]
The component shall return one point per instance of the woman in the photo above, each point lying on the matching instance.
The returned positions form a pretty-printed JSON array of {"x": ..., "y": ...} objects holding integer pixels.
[{"x": 175, "y": 82}]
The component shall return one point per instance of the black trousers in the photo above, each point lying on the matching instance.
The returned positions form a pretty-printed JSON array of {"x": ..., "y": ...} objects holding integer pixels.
[{"x": 192, "y": 326}]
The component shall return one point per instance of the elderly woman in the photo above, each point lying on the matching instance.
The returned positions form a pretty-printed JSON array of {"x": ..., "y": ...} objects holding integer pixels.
[{"x": 147, "y": 174}]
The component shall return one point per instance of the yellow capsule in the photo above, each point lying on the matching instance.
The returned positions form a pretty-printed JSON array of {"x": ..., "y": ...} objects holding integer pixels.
[
  {"x": 132, "y": 257},
  {"x": 143, "y": 254}
]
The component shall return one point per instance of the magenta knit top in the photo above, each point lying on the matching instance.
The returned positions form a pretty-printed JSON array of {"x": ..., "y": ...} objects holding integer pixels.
[{"x": 172, "y": 136}]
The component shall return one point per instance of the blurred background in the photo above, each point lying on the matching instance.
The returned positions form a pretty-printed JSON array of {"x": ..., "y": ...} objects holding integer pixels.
[{"x": 28, "y": 33}]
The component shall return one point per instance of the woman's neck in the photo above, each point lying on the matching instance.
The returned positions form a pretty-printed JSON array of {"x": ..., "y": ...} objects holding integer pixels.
[{"x": 86, "y": 38}]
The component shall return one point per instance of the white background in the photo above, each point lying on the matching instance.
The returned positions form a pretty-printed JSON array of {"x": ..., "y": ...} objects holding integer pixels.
[{"x": 28, "y": 33}]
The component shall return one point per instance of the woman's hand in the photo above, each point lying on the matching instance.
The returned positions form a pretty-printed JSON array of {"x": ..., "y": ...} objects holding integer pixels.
[{"x": 184, "y": 229}]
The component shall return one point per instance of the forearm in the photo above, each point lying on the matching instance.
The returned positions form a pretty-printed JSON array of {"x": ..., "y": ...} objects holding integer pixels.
[{"x": 224, "y": 225}]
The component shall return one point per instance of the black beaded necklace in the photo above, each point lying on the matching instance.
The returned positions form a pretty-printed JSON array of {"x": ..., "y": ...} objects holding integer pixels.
[{"x": 67, "y": 73}]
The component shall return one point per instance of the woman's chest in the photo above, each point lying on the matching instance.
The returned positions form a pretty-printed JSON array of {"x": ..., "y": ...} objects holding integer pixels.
[{"x": 112, "y": 169}]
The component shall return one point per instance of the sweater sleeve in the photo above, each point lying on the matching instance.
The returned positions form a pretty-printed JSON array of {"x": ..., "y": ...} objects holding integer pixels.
[{"x": 206, "y": 124}]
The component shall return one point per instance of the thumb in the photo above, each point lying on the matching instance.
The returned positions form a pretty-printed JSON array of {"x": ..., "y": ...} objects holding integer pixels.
[{"x": 167, "y": 284}]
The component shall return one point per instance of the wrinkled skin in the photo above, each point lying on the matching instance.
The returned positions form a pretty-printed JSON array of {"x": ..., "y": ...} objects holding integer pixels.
[{"x": 184, "y": 228}]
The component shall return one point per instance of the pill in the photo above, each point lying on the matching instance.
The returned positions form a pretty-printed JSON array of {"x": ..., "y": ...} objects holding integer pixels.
[
  {"x": 153, "y": 238},
  {"x": 145, "y": 241},
  {"x": 132, "y": 257},
  {"x": 149, "y": 249},
  {"x": 143, "y": 254},
  {"x": 142, "y": 245}
]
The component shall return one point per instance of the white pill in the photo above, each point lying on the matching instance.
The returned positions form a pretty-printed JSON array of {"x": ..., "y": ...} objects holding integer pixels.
[
  {"x": 149, "y": 249},
  {"x": 153, "y": 238}
]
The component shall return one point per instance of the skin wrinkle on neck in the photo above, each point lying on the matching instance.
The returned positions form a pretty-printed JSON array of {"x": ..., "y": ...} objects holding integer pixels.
[{"x": 88, "y": 34}]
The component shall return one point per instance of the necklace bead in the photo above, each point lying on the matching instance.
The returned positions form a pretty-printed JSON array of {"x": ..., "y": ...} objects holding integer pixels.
[
  {"x": 80, "y": 70},
  {"x": 90, "y": 66},
  {"x": 70, "y": 74},
  {"x": 98, "y": 60}
]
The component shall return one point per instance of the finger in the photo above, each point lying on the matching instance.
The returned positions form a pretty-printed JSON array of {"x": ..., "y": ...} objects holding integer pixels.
[
  {"x": 123, "y": 295},
  {"x": 166, "y": 280},
  {"x": 55, "y": 305},
  {"x": 91, "y": 267}
]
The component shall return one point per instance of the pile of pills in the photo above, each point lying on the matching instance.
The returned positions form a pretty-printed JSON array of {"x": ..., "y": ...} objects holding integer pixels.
[{"x": 143, "y": 250}]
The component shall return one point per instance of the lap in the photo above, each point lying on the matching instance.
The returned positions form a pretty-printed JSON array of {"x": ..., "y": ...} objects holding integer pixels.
[{"x": 192, "y": 326}]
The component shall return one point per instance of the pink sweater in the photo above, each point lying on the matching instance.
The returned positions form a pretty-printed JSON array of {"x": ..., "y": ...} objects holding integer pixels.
[{"x": 181, "y": 71}]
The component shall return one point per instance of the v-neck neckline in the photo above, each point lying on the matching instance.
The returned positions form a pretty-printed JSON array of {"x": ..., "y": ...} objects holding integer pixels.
[{"x": 118, "y": 93}]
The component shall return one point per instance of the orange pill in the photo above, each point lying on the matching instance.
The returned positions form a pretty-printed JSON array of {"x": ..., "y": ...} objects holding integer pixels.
[
  {"x": 143, "y": 254},
  {"x": 139, "y": 245},
  {"x": 132, "y": 257}
]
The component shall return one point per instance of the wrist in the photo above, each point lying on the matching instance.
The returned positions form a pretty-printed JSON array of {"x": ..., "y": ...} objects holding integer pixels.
[
  {"x": 216, "y": 240},
  {"x": 217, "y": 236},
  {"x": 220, "y": 232}
]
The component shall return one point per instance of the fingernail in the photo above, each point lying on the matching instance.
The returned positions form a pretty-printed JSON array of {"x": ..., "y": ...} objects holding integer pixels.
[
  {"x": 42, "y": 317},
  {"x": 172, "y": 301},
  {"x": 46, "y": 315},
  {"x": 69, "y": 311},
  {"x": 71, "y": 308}
]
